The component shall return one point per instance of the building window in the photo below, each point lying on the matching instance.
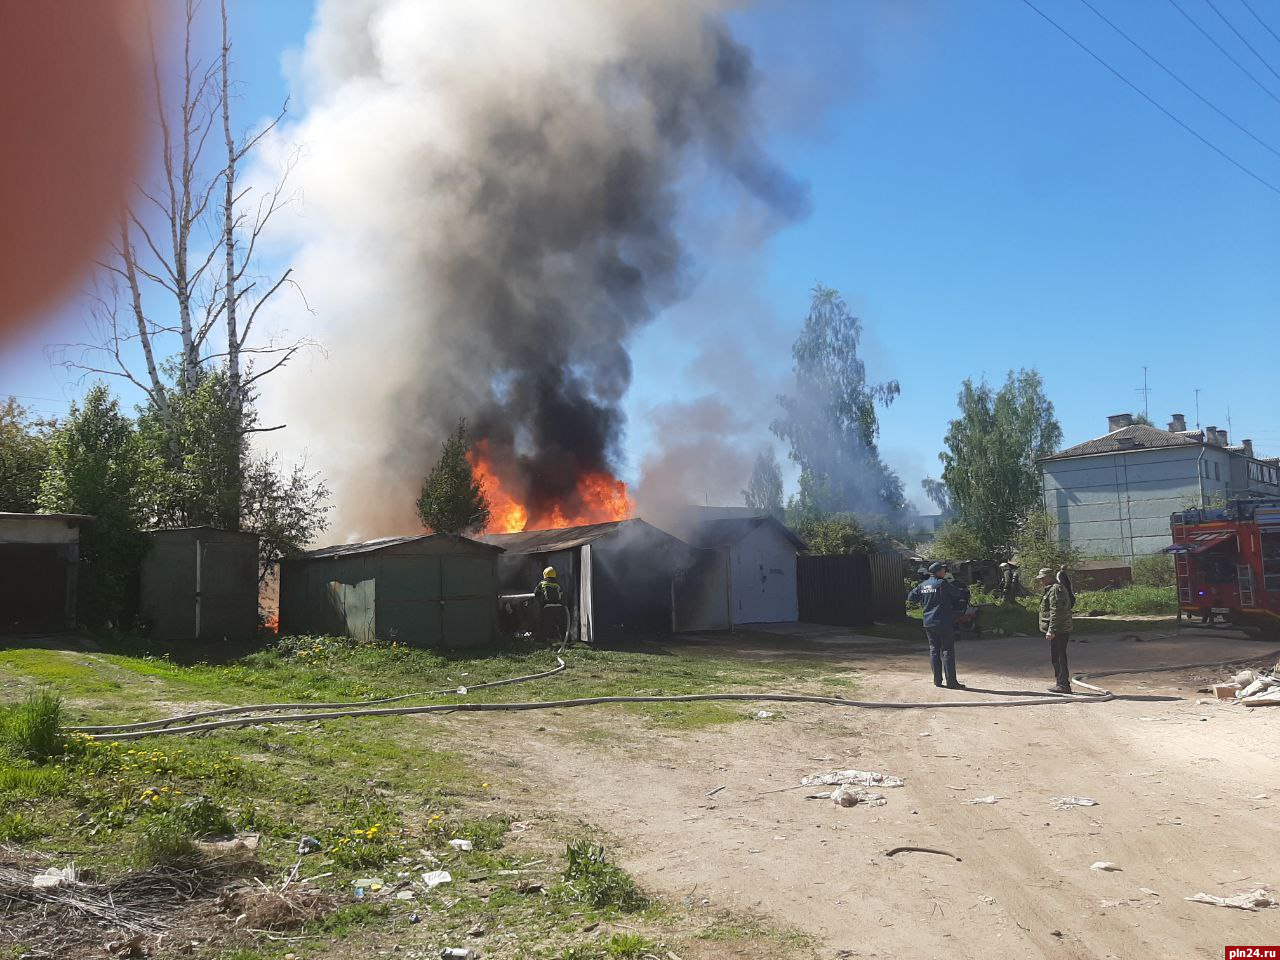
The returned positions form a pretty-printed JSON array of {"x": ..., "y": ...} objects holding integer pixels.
[{"x": 1216, "y": 476}]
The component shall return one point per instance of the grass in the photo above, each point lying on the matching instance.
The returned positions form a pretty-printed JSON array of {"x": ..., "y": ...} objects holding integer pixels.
[{"x": 383, "y": 797}]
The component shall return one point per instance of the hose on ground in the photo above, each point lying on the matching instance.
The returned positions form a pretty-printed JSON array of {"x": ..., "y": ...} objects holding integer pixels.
[
  {"x": 269, "y": 707},
  {"x": 122, "y": 732}
]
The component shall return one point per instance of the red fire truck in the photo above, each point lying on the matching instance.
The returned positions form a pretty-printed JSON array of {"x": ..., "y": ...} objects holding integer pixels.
[{"x": 1228, "y": 563}]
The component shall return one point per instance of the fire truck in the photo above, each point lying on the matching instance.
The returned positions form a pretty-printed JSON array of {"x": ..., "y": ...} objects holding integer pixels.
[{"x": 1227, "y": 561}]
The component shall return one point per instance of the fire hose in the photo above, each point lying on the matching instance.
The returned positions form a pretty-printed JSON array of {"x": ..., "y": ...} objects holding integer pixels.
[{"x": 180, "y": 723}]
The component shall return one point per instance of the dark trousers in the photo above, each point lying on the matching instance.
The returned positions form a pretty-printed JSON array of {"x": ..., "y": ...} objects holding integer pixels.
[
  {"x": 1058, "y": 653},
  {"x": 942, "y": 655},
  {"x": 553, "y": 621}
]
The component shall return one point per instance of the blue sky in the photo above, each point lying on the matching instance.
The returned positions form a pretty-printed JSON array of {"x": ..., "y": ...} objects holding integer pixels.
[{"x": 986, "y": 196}]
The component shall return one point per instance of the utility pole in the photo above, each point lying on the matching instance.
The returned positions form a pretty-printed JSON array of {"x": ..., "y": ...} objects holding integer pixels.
[{"x": 1146, "y": 396}]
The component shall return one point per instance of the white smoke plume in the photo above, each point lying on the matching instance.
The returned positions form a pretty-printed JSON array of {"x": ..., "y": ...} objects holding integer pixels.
[{"x": 492, "y": 195}]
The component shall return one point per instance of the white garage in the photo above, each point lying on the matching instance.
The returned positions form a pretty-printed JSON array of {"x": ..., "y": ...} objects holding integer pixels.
[{"x": 761, "y": 556}]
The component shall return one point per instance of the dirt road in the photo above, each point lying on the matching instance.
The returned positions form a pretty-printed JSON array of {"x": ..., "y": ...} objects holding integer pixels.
[{"x": 1188, "y": 801}]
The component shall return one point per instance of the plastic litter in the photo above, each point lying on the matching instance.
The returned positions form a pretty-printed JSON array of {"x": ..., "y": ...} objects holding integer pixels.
[
  {"x": 764, "y": 714},
  {"x": 308, "y": 845},
  {"x": 464, "y": 845},
  {"x": 1258, "y": 899},
  {"x": 462, "y": 691},
  {"x": 54, "y": 877},
  {"x": 436, "y": 877},
  {"x": 456, "y": 953},
  {"x": 405, "y": 895},
  {"x": 1106, "y": 865},
  {"x": 862, "y": 778},
  {"x": 1066, "y": 803},
  {"x": 992, "y": 799},
  {"x": 847, "y": 795}
]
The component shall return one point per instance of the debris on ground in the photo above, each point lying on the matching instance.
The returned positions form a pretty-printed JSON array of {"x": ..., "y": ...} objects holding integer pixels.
[
  {"x": 464, "y": 846},
  {"x": 1105, "y": 865},
  {"x": 436, "y": 877},
  {"x": 1258, "y": 899},
  {"x": 941, "y": 853},
  {"x": 309, "y": 845},
  {"x": 1066, "y": 803},
  {"x": 861, "y": 778},
  {"x": 847, "y": 795},
  {"x": 54, "y": 877},
  {"x": 1253, "y": 688},
  {"x": 991, "y": 799},
  {"x": 764, "y": 714}
]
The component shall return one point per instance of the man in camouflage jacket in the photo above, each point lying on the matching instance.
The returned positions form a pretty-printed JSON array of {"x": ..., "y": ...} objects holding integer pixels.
[{"x": 1055, "y": 624}]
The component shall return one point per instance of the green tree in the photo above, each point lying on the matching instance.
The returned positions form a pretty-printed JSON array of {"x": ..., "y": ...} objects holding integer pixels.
[
  {"x": 453, "y": 499},
  {"x": 833, "y": 533},
  {"x": 95, "y": 461},
  {"x": 989, "y": 465},
  {"x": 764, "y": 490},
  {"x": 1036, "y": 545},
  {"x": 24, "y": 454},
  {"x": 830, "y": 423},
  {"x": 199, "y": 470},
  {"x": 955, "y": 541}
]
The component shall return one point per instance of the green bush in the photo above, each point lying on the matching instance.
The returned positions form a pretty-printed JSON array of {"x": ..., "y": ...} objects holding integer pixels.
[
  {"x": 590, "y": 878},
  {"x": 16, "y": 828},
  {"x": 954, "y": 541},
  {"x": 204, "y": 818},
  {"x": 165, "y": 841},
  {"x": 33, "y": 729},
  {"x": 1154, "y": 570},
  {"x": 1133, "y": 601}
]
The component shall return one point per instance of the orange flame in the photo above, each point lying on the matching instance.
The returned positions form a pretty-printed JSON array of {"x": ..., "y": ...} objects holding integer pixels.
[
  {"x": 598, "y": 498},
  {"x": 506, "y": 514}
]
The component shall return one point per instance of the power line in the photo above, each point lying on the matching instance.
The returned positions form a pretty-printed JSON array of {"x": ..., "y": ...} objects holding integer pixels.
[
  {"x": 1225, "y": 52},
  {"x": 1186, "y": 86},
  {"x": 1265, "y": 25},
  {"x": 1261, "y": 59},
  {"x": 1151, "y": 100}
]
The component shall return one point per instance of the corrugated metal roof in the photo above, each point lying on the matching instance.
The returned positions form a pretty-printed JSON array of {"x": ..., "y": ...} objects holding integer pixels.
[
  {"x": 373, "y": 546},
  {"x": 68, "y": 517},
  {"x": 1139, "y": 436},
  {"x": 552, "y": 541},
  {"x": 726, "y": 531}
]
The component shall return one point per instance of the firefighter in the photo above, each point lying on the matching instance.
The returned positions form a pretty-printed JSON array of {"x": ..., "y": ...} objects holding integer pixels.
[
  {"x": 553, "y": 614},
  {"x": 941, "y": 600},
  {"x": 1055, "y": 623},
  {"x": 1008, "y": 582}
]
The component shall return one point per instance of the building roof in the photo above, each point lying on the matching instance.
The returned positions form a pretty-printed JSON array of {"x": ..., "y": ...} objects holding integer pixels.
[
  {"x": 373, "y": 546},
  {"x": 1138, "y": 436},
  {"x": 553, "y": 541},
  {"x": 77, "y": 519},
  {"x": 727, "y": 531}
]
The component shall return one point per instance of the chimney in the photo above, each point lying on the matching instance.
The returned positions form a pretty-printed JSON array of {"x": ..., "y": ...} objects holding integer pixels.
[
  {"x": 1211, "y": 436},
  {"x": 1118, "y": 421},
  {"x": 1222, "y": 438},
  {"x": 1248, "y": 448},
  {"x": 1178, "y": 424}
]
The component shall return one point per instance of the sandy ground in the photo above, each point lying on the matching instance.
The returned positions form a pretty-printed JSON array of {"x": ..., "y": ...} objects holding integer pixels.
[{"x": 1188, "y": 801}]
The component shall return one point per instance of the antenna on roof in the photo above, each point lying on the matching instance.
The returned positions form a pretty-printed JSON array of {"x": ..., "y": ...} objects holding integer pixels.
[
  {"x": 1230, "y": 431},
  {"x": 1146, "y": 396},
  {"x": 1197, "y": 408}
]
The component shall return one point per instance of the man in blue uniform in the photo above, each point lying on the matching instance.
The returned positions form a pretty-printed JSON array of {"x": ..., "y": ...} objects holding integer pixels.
[{"x": 940, "y": 600}]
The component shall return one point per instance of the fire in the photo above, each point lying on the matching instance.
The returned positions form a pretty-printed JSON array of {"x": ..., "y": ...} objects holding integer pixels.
[
  {"x": 506, "y": 514},
  {"x": 598, "y": 498}
]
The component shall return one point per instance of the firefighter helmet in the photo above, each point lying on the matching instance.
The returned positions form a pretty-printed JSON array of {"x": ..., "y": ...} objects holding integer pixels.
[{"x": 549, "y": 573}]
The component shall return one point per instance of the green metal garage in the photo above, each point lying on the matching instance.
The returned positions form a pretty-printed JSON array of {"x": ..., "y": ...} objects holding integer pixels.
[
  {"x": 199, "y": 583},
  {"x": 428, "y": 591}
]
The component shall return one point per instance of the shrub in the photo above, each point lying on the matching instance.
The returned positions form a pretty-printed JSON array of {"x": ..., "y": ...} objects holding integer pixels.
[
  {"x": 590, "y": 878},
  {"x": 1133, "y": 601},
  {"x": 1154, "y": 570},
  {"x": 1036, "y": 544},
  {"x": 15, "y": 828},
  {"x": 33, "y": 729},
  {"x": 955, "y": 541},
  {"x": 165, "y": 841},
  {"x": 204, "y": 818}
]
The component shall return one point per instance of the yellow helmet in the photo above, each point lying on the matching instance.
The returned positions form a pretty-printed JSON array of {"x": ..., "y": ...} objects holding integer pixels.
[{"x": 549, "y": 573}]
